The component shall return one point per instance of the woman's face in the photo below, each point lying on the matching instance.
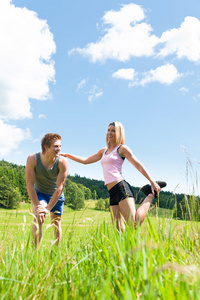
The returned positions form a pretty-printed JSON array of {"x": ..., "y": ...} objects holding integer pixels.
[{"x": 111, "y": 137}]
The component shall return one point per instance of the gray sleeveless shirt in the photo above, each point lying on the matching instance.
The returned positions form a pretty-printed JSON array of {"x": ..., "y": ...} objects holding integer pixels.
[{"x": 45, "y": 179}]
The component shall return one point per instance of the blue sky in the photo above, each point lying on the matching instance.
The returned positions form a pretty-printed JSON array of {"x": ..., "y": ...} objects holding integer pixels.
[{"x": 72, "y": 67}]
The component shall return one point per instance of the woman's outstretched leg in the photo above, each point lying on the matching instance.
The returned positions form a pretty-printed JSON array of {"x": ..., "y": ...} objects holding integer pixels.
[{"x": 143, "y": 209}]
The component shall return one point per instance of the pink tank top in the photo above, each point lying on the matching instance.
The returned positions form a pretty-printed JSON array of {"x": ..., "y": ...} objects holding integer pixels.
[{"x": 112, "y": 166}]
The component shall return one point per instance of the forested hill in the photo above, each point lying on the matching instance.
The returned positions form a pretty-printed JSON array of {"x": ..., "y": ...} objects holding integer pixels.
[
  {"x": 92, "y": 184},
  {"x": 13, "y": 189}
]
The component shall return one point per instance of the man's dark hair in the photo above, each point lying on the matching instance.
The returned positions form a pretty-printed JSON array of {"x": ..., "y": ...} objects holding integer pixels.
[{"x": 48, "y": 139}]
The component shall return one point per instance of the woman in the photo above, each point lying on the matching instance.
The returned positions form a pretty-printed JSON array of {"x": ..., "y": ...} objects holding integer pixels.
[{"x": 122, "y": 203}]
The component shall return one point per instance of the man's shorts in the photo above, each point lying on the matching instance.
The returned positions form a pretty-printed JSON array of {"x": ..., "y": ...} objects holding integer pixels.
[
  {"x": 58, "y": 208},
  {"x": 120, "y": 191}
]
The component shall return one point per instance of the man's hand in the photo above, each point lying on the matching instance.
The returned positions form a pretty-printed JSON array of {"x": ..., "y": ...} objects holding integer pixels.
[
  {"x": 41, "y": 217},
  {"x": 41, "y": 212},
  {"x": 41, "y": 209}
]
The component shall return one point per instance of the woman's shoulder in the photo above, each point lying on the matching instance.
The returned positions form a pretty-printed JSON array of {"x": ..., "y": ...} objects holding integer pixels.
[
  {"x": 122, "y": 146},
  {"x": 102, "y": 150},
  {"x": 123, "y": 149}
]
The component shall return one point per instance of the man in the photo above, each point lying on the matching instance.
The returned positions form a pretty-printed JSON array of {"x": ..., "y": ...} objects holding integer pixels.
[{"x": 46, "y": 173}]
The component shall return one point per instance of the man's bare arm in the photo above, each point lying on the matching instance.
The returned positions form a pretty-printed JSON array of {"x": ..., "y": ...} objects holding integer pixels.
[
  {"x": 30, "y": 179},
  {"x": 62, "y": 176}
]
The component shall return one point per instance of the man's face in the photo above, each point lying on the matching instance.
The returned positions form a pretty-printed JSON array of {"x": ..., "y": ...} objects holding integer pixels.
[{"x": 54, "y": 149}]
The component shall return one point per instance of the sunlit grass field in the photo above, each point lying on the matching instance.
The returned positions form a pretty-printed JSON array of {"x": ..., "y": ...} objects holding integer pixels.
[{"x": 159, "y": 260}]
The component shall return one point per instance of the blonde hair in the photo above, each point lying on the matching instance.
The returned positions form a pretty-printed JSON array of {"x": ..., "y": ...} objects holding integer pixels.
[{"x": 119, "y": 132}]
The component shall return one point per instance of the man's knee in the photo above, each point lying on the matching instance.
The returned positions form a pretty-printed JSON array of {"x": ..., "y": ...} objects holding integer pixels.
[{"x": 56, "y": 220}]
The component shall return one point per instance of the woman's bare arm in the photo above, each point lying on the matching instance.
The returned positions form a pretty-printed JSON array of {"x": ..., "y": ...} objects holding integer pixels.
[
  {"x": 125, "y": 151},
  {"x": 85, "y": 160}
]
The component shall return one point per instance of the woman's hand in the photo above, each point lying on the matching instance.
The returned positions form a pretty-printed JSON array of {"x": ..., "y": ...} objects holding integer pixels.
[
  {"x": 64, "y": 154},
  {"x": 155, "y": 187}
]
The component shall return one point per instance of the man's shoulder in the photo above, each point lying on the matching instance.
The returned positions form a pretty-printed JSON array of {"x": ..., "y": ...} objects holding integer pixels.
[
  {"x": 63, "y": 162},
  {"x": 32, "y": 156},
  {"x": 31, "y": 159}
]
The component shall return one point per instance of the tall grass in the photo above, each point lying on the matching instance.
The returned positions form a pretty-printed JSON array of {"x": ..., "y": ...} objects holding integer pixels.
[{"x": 159, "y": 260}]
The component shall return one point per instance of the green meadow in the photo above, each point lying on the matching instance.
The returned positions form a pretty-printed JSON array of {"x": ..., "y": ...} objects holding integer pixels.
[{"x": 159, "y": 260}]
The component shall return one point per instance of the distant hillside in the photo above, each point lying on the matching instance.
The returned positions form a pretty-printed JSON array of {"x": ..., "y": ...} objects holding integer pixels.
[{"x": 16, "y": 176}]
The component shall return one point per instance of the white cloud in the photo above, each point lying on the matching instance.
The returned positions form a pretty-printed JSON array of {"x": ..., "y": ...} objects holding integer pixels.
[
  {"x": 94, "y": 93},
  {"x": 26, "y": 47},
  {"x": 35, "y": 141},
  {"x": 184, "y": 90},
  {"x": 19, "y": 152},
  {"x": 165, "y": 74},
  {"x": 124, "y": 38},
  {"x": 127, "y": 74},
  {"x": 11, "y": 137},
  {"x": 81, "y": 84},
  {"x": 41, "y": 116},
  {"x": 126, "y": 34},
  {"x": 26, "y": 68},
  {"x": 183, "y": 41}
]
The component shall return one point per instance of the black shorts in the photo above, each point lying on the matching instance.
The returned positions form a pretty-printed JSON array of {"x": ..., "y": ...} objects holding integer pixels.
[{"x": 120, "y": 191}]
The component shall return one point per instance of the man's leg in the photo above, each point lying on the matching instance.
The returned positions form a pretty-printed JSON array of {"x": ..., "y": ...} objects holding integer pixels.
[
  {"x": 56, "y": 222},
  {"x": 56, "y": 214},
  {"x": 37, "y": 229}
]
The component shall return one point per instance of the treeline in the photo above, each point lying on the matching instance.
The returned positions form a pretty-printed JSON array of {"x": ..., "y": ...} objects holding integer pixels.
[
  {"x": 97, "y": 187},
  {"x": 78, "y": 189},
  {"x": 12, "y": 185}
]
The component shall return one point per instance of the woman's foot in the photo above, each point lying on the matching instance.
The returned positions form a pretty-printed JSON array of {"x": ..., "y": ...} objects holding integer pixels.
[{"x": 146, "y": 189}]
